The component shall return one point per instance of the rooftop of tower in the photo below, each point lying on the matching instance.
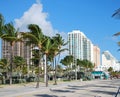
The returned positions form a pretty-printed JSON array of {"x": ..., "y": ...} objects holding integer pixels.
[{"x": 78, "y": 31}]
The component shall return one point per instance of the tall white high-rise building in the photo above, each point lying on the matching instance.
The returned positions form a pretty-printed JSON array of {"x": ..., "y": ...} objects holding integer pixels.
[{"x": 80, "y": 46}]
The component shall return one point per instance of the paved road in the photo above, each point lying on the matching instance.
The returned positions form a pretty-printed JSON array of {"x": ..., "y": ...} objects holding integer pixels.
[{"x": 95, "y": 88}]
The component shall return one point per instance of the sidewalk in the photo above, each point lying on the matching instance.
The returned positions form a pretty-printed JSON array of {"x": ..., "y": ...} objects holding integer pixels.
[{"x": 95, "y": 88}]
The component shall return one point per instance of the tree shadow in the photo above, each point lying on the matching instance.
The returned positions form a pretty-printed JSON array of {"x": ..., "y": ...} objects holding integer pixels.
[
  {"x": 104, "y": 92},
  {"x": 73, "y": 87},
  {"x": 58, "y": 90},
  {"x": 79, "y": 87},
  {"x": 104, "y": 86},
  {"x": 45, "y": 95},
  {"x": 53, "y": 90},
  {"x": 91, "y": 85}
]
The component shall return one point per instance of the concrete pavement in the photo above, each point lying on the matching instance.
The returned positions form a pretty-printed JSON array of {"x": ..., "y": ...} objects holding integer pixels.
[{"x": 95, "y": 88}]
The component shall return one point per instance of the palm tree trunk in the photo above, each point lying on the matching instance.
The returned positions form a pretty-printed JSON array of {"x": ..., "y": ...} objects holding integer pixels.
[
  {"x": 75, "y": 69},
  {"x": 56, "y": 69},
  {"x": 55, "y": 73},
  {"x": 11, "y": 67},
  {"x": 46, "y": 72},
  {"x": 38, "y": 76}
]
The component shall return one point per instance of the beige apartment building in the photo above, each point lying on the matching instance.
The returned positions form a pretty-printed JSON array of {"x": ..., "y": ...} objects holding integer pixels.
[
  {"x": 20, "y": 49},
  {"x": 96, "y": 55}
]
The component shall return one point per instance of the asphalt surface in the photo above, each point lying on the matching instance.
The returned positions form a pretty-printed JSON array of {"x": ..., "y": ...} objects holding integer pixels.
[{"x": 94, "y": 88}]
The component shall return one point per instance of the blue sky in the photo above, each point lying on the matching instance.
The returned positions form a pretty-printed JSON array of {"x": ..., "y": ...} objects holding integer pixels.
[{"x": 92, "y": 17}]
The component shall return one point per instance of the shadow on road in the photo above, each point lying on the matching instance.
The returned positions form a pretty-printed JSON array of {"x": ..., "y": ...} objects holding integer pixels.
[
  {"x": 90, "y": 85},
  {"x": 84, "y": 87},
  {"x": 44, "y": 95},
  {"x": 105, "y": 92},
  {"x": 59, "y": 90},
  {"x": 55, "y": 91}
]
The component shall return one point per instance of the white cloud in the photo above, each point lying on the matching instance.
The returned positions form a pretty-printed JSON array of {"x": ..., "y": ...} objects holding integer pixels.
[{"x": 35, "y": 15}]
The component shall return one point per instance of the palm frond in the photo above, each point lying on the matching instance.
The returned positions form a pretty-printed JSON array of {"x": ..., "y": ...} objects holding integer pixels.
[
  {"x": 62, "y": 50},
  {"x": 117, "y": 14},
  {"x": 65, "y": 43},
  {"x": 118, "y": 50},
  {"x": 1, "y": 63},
  {"x": 30, "y": 37},
  {"x": 117, "y": 34},
  {"x": 9, "y": 39},
  {"x": 10, "y": 30},
  {"x": 118, "y": 43},
  {"x": 35, "y": 30}
]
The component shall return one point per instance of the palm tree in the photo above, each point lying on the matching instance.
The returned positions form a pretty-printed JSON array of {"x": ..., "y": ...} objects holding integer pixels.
[
  {"x": 67, "y": 61},
  {"x": 110, "y": 70},
  {"x": 35, "y": 63},
  {"x": 48, "y": 49},
  {"x": 59, "y": 70},
  {"x": 4, "y": 65},
  {"x": 19, "y": 63},
  {"x": 10, "y": 35},
  {"x": 35, "y": 59},
  {"x": 88, "y": 66},
  {"x": 79, "y": 63},
  {"x": 36, "y": 38},
  {"x": 59, "y": 43}
]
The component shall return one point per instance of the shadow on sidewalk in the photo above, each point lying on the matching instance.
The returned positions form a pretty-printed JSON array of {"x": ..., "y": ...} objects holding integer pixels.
[
  {"x": 45, "y": 95},
  {"x": 104, "y": 92},
  {"x": 59, "y": 90}
]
